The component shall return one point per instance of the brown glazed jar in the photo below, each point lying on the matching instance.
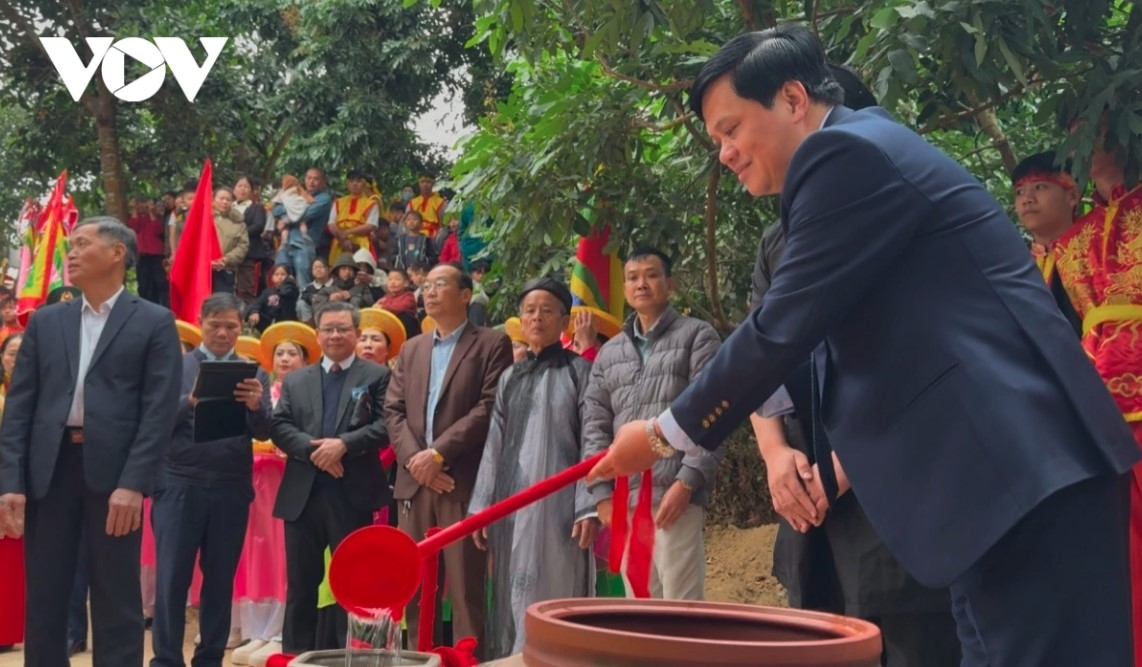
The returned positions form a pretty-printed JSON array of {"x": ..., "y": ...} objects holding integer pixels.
[{"x": 616, "y": 632}]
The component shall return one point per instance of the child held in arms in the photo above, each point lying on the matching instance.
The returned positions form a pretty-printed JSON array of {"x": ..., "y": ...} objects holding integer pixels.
[{"x": 289, "y": 205}]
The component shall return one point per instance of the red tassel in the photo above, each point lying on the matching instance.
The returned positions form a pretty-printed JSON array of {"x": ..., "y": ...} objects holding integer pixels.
[
  {"x": 463, "y": 655},
  {"x": 642, "y": 539},
  {"x": 620, "y": 501}
]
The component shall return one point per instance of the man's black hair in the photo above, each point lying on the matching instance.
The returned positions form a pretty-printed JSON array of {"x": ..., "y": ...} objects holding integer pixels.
[
  {"x": 760, "y": 63},
  {"x": 643, "y": 252},
  {"x": 465, "y": 279},
  {"x": 1039, "y": 163}
]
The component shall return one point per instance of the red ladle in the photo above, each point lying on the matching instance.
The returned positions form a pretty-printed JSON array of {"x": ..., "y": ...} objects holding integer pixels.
[{"x": 378, "y": 568}]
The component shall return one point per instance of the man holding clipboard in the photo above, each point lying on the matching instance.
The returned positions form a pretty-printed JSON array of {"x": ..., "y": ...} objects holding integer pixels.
[{"x": 202, "y": 500}]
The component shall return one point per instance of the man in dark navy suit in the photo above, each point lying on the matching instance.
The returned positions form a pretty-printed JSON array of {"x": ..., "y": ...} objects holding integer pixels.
[
  {"x": 976, "y": 434},
  {"x": 87, "y": 421}
]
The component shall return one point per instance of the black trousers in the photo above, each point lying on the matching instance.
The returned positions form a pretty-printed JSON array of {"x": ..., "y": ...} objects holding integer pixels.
[
  {"x": 52, "y": 533},
  {"x": 205, "y": 520},
  {"x": 152, "y": 279},
  {"x": 1055, "y": 590},
  {"x": 327, "y": 518}
]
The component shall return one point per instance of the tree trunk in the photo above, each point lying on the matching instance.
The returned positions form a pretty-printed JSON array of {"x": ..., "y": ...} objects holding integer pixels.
[
  {"x": 988, "y": 121},
  {"x": 110, "y": 164},
  {"x": 720, "y": 322}
]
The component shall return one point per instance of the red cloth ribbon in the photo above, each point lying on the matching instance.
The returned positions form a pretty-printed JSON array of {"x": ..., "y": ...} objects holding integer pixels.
[
  {"x": 640, "y": 534},
  {"x": 1061, "y": 179},
  {"x": 279, "y": 660},
  {"x": 462, "y": 655}
]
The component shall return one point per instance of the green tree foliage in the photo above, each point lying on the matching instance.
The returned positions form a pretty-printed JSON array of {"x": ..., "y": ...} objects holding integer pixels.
[
  {"x": 331, "y": 83},
  {"x": 595, "y": 130}
]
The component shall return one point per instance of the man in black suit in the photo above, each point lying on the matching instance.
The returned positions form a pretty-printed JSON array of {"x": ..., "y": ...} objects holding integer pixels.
[
  {"x": 330, "y": 422},
  {"x": 978, "y": 437},
  {"x": 83, "y": 439},
  {"x": 202, "y": 500}
]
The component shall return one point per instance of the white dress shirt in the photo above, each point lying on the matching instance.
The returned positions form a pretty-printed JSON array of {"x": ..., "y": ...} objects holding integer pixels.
[
  {"x": 344, "y": 364},
  {"x": 91, "y": 323}
]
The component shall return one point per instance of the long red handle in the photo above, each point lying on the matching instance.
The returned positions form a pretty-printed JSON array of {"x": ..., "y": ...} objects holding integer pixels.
[
  {"x": 484, "y": 518},
  {"x": 428, "y": 577}
]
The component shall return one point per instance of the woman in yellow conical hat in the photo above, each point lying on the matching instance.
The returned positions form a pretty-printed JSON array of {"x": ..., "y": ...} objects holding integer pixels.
[
  {"x": 513, "y": 327},
  {"x": 189, "y": 335},
  {"x": 595, "y": 328},
  {"x": 382, "y": 336},
  {"x": 250, "y": 348}
]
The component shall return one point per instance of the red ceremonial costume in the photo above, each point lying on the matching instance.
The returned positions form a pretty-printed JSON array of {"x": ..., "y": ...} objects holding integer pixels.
[
  {"x": 1100, "y": 262},
  {"x": 11, "y": 591}
]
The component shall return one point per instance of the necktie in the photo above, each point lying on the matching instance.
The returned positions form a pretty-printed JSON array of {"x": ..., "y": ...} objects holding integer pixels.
[{"x": 335, "y": 369}]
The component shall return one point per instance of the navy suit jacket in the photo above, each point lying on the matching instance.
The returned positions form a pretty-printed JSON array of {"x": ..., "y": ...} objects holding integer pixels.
[
  {"x": 296, "y": 422},
  {"x": 130, "y": 398},
  {"x": 953, "y": 391}
]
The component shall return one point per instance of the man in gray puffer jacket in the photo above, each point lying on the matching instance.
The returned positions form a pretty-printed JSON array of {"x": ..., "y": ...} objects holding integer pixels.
[{"x": 635, "y": 376}]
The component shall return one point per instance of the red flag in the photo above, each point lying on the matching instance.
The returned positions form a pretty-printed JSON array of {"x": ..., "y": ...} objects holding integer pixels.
[{"x": 191, "y": 276}]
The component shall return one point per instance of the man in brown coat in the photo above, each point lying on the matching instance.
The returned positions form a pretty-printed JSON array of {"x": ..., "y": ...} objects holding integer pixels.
[{"x": 438, "y": 410}]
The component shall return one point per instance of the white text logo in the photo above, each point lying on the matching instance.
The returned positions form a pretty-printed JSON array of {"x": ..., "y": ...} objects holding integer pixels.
[{"x": 169, "y": 51}]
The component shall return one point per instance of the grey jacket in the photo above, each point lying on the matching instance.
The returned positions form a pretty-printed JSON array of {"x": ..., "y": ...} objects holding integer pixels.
[{"x": 623, "y": 388}]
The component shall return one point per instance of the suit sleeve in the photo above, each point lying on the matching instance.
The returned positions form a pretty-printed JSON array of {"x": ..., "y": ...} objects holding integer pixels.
[
  {"x": 405, "y": 443},
  {"x": 284, "y": 430},
  {"x": 457, "y": 439},
  {"x": 851, "y": 216},
  {"x": 371, "y": 436},
  {"x": 700, "y": 469},
  {"x": 19, "y": 412},
  {"x": 158, "y": 403},
  {"x": 258, "y": 421}
]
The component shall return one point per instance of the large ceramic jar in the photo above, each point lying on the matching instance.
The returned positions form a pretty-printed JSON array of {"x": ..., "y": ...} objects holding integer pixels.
[{"x": 611, "y": 632}]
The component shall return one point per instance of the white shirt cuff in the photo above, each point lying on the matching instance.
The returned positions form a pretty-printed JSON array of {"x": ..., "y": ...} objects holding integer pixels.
[
  {"x": 777, "y": 405},
  {"x": 676, "y": 437}
]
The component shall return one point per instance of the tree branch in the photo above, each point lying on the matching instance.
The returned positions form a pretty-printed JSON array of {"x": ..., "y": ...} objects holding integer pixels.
[
  {"x": 978, "y": 108},
  {"x": 989, "y": 122},
  {"x": 689, "y": 122},
  {"x": 644, "y": 124},
  {"x": 747, "y": 15},
  {"x": 672, "y": 87}
]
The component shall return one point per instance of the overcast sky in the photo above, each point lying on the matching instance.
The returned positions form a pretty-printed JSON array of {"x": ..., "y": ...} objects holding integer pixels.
[{"x": 443, "y": 124}]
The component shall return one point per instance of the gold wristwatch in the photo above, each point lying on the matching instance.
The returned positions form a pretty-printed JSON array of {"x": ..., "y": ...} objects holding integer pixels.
[{"x": 657, "y": 445}]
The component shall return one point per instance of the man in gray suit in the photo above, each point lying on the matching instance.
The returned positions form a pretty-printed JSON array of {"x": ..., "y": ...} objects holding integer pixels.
[
  {"x": 87, "y": 420},
  {"x": 330, "y": 422}
]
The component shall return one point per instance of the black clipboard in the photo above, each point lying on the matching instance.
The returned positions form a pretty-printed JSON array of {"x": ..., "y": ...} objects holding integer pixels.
[{"x": 217, "y": 414}]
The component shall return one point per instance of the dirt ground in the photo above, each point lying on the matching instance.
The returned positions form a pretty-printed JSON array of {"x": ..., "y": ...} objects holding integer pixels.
[{"x": 738, "y": 564}]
